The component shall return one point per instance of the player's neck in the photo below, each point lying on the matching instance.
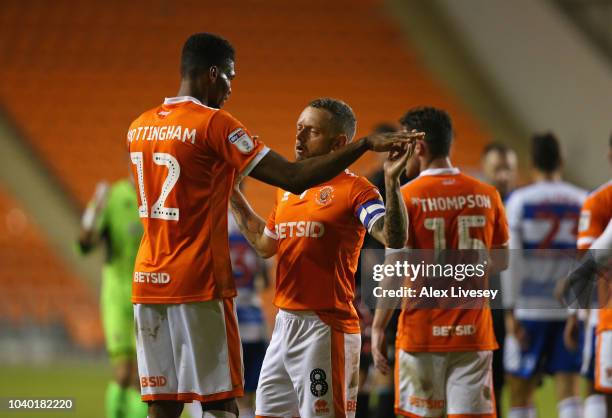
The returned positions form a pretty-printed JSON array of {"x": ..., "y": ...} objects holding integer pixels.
[
  {"x": 444, "y": 162},
  {"x": 543, "y": 176},
  {"x": 187, "y": 88}
]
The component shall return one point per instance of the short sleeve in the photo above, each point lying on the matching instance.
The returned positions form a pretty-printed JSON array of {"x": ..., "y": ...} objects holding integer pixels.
[
  {"x": 501, "y": 233},
  {"x": 366, "y": 203},
  {"x": 592, "y": 223},
  {"x": 233, "y": 143}
]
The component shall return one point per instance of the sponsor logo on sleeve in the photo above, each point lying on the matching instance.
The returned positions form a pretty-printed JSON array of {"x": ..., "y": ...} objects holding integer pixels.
[{"x": 241, "y": 140}]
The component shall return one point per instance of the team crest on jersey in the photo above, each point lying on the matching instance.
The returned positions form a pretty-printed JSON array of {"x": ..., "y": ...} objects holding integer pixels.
[
  {"x": 325, "y": 195},
  {"x": 241, "y": 140}
]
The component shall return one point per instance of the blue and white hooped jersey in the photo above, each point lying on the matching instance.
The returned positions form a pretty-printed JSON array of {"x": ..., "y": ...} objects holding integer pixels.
[{"x": 543, "y": 218}]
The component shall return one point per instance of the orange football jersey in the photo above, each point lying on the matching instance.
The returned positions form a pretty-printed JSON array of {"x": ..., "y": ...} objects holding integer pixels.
[
  {"x": 450, "y": 210},
  {"x": 320, "y": 234},
  {"x": 185, "y": 157},
  {"x": 594, "y": 217}
]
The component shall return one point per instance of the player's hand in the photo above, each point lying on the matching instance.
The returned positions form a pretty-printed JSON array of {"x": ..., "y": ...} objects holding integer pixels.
[
  {"x": 514, "y": 327},
  {"x": 393, "y": 141},
  {"x": 397, "y": 159},
  {"x": 100, "y": 195},
  {"x": 560, "y": 292},
  {"x": 92, "y": 213},
  {"x": 379, "y": 350},
  {"x": 571, "y": 332}
]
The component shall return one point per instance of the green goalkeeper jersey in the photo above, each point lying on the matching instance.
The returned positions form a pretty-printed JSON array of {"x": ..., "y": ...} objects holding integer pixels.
[{"x": 120, "y": 231}]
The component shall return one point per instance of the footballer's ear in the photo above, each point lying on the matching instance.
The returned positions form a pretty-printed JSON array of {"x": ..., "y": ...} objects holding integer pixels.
[
  {"x": 213, "y": 73},
  {"x": 420, "y": 148},
  {"x": 339, "y": 141}
]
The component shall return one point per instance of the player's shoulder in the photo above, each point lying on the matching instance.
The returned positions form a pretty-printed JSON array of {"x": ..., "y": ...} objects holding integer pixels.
[
  {"x": 355, "y": 181},
  {"x": 145, "y": 116},
  {"x": 178, "y": 108},
  {"x": 121, "y": 189},
  {"x": 222, "y": 119},
  {"x": 602, "y": 192},
  {"x": 123, "y": 185},
  {"x": 573, "y": 190},
  {"x": 476, "y": 184}
]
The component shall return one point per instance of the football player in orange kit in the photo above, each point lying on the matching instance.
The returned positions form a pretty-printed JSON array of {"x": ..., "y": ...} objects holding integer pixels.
[
  {"x": 443, "y": 356},
  {"x": 186, "y": 154},
  {"x": 594, "y": 230},
  {"x": 311, "y": 366}
]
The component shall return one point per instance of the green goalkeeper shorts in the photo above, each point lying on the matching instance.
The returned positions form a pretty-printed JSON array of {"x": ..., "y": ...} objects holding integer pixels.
[{"x": 117, "y": 314}]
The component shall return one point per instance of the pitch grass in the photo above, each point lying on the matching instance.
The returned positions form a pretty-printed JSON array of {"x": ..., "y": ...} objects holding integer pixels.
[{"x": 85, "y": 383}]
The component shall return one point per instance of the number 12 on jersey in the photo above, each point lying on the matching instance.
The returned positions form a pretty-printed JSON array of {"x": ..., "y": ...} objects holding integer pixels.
[{"x": 158, "y": 210}]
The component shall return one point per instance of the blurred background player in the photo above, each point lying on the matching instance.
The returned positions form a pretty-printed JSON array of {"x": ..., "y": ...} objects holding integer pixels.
[
  {"x": 499, "y": 165},
  {"x": 594, "y": 219},
  {"x": 311, "y": 367},
  {"x": 111, "y": 221},
  {"x": 443, "y": 373},
  {"x": 542, "y": 216},
  {"x": 370, "y": 380},
  {"x": 186, "y": 154}
]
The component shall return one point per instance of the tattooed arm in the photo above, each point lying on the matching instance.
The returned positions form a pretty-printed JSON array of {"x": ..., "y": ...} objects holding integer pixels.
[
  {"x": 391, "y": 229},
  {"x": 252, "y": 225}
]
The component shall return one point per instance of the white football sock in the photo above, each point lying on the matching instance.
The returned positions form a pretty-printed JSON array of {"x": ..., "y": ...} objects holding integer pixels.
[
  {"x": 595, "y": 406},
  {"x": 218, "y": 414},
  {"x": 194, "y": 409},
  {"x": 522, "y": 412},
  {"x": 570, "y": 407}
]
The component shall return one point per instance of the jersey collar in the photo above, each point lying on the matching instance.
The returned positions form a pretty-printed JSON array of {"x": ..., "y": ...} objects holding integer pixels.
[
  {"x": 180, "y": 99},
  {"x": 450, "y": 171}
]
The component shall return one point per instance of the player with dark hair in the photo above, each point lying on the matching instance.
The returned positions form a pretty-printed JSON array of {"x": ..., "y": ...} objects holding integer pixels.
[
  {"x": 381, "y": 384},
  {"x": 499, "y": 168},
  {"x": 443, "y": 355},
  {"x": 186, "y": 154},
  {"x": 542, "y": 216},
  {"x": 311, "y": 366}
]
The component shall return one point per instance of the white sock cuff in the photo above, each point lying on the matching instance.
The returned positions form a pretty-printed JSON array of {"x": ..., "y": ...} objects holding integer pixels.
[
  {"x": 522, "y": 412},
  {"x": 218, "y": 414},
  {"x": 595, "y": 406},
  {"x": 570, "y": 407}
]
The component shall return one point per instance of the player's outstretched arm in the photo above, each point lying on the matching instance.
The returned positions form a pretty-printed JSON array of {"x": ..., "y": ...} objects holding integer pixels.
[
  {"x": 89, "y": 235},
  {"x": 379, "y": 341},
  {"x": 391, "y": 230},
  {"x": 298, "y": 176},
  {"x": 251, "y": 225}
]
